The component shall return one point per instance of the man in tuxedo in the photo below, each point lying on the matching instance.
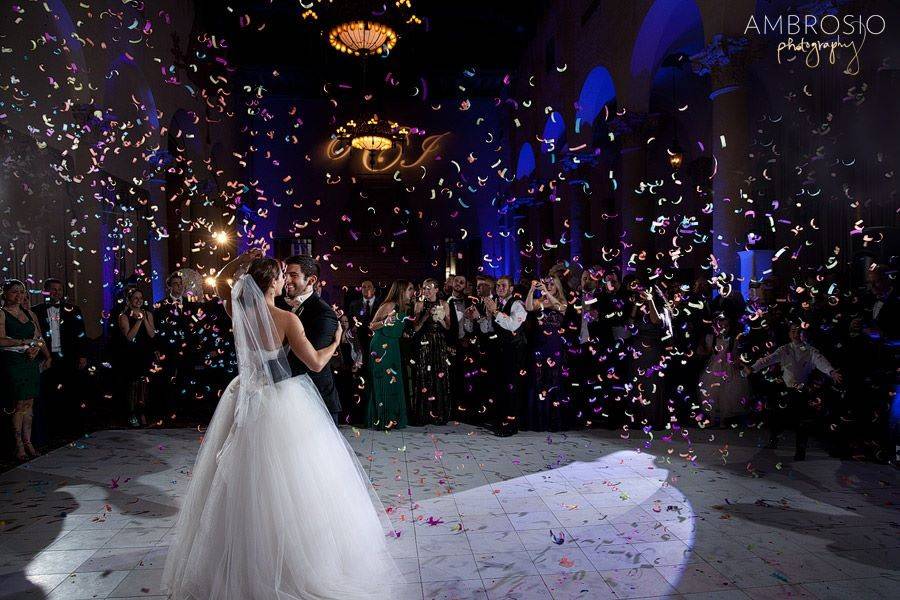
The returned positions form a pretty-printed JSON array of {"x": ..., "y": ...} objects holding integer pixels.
[
  {"x": 461, "y": 342},
  {"x": 361, "y": 312},
  {"x": 176, "y": 344},
  {"x": 319, "y": 321},
  {"x": 62, "y": 325}
]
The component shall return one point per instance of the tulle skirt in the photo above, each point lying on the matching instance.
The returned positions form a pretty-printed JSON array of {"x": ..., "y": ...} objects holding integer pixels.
[
  {"x": 725, "y": 389},
  {"x": 279, "y": 507}
]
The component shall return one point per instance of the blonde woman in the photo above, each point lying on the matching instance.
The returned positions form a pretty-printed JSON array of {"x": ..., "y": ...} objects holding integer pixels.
[
  {"x": 20, "y": 369},
  {"x": 431, "y": 358},
  {"x": 548, "y": 406}
]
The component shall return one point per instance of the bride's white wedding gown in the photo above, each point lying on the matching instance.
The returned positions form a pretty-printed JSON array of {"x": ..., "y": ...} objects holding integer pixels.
[{"x": 278, "y": 505}]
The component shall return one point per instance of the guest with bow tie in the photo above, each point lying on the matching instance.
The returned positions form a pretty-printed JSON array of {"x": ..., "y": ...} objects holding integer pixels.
[
  {"x": 361, "y": 312},
  {"x": 319, "y": 320},
  {"x": 462, "y": 348},
  {"x": 174, "y": 318},
  {"x": 500, "y": 320},
  {"x": 62, "y": 325}
]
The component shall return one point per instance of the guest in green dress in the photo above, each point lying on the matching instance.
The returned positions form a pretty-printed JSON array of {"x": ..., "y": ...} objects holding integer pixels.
[
  {"x": 20, "y": 369},
  {"x": 387, "y": 402}
]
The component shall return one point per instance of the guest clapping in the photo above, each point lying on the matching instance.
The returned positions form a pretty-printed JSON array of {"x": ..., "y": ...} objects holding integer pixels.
[
  {"x": 136, "y": 331},
  {"x": 547, "y": 406},
  {"x": 430, "y": 356}
]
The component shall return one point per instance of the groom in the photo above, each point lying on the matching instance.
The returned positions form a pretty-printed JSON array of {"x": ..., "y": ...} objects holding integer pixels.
[{"x": 319, "y": 320}]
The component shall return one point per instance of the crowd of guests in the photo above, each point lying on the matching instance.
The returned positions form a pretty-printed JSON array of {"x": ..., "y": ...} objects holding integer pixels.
[
  {"x": 571, "y": 349},
  {"x": 593, "y": 348}
]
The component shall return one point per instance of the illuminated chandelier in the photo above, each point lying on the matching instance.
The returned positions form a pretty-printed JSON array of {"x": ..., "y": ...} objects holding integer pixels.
[
  {"x": 362, "y": 38},
  {"x": 352, "y": 27},
  {"x": 374, "y": 134}
]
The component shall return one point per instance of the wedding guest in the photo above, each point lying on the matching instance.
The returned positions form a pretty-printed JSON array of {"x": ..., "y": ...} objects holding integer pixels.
[
  {"x": 648, "y": 330},
  {"x": 20, "y": 369},
  {"x": 216, "y": 362},
  {"x": 883, "y": 306},
  {"x": 585, "y": 356},
  {"x": 462, "y": 348},
  {"x": 458, "y": 302},
  {"x": 482, "y": 349},
  {"x": 501, "y": 323},
  {"x": 798, "y": 360},
  {"x": 431, "y": 397},
  {"x": 387, "y": 402},
  {"x": 613, "y": 359},
  {"x": 345, "y": 366},
  {"x": 62, "y": 384},
  {"x": 135, "y": 355},
  {"x": 173, "y": 317},
  {"x": 547, "y": 406},
  {"x": 729, "y": 301},
  {"x": 361, "y": 312}
]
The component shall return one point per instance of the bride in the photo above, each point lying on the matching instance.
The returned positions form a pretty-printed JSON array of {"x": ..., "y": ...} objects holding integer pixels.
[{"x": 278, "y": 506}]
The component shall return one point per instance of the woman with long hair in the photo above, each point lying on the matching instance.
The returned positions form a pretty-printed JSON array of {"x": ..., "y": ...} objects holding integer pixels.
[
  {"x": 431, "y": 370},
  {"x": 20, "y": 372},
  {"x": 387, "y": 402},
  {"x": 136, "y": 333},
  {"x": 278, "y": 505},
  {"x": 548, "y": 406}
]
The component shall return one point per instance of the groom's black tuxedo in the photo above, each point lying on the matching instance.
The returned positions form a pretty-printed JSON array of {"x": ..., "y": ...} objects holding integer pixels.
[{"x": 320, "y": 323}]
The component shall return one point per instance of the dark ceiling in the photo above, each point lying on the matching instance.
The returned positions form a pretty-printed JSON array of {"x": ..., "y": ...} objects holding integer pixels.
[{"x": 487, "y": 36}]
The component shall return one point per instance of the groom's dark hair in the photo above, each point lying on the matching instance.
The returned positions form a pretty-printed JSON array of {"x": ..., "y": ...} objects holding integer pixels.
[{"x": 308, "y": 265}]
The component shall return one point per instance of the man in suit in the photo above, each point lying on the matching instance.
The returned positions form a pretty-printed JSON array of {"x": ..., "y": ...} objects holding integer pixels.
[
  {"x": 62, "y": 326},
  {"x": 463, "y": 350},
  {"x": 319, "y": 321},
  {"x": 175, "y": 318},
  {"x": 361, "y": 312}
]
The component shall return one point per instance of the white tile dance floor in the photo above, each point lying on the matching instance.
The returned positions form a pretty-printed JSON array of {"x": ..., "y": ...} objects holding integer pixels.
[{"x": 475, "y": 515}]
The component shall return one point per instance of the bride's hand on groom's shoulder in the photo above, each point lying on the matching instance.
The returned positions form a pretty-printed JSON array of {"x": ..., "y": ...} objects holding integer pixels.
[
  {"x": 339, "y": 332},
  {"x": 252, "y": 254}
]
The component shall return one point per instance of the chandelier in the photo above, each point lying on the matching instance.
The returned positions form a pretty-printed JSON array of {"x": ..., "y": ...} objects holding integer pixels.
[
  {"x": 362, "y": 38},
  {"x": 353, "y": 27},
  {"x": 373, "y": 135}
]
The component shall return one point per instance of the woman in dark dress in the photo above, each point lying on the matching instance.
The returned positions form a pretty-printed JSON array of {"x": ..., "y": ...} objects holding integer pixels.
[
  {"x": 136, "y": 341},
  {"x": 548, "y": 406},
  {"x": 20, "y": 371},
  {"x": 650, "y": 325},
  {"x": 431, "y": 356}
]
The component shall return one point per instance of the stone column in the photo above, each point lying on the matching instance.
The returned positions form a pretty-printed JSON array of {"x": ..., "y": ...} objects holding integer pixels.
[
  {"x": 631, "y": 131},
  {"x": 729, "y": 145}
]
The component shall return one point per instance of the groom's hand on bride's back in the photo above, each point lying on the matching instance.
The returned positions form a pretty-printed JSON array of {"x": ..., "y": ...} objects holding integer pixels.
[{"x": 339, "y": 331}]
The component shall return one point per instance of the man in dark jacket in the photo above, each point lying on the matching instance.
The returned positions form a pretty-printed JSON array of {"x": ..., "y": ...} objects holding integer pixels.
[
  {"x": 175, "y": 318},
  {"x": 62, "y": 325},
  {"x": 319, "y": 322}
]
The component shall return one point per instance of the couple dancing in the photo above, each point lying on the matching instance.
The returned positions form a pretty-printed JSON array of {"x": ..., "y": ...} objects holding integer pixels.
[{"x": 278, "y": 506}]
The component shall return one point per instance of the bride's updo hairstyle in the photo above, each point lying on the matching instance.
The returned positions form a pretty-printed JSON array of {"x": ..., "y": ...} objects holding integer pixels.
[{"x": 264, "y": 271}]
